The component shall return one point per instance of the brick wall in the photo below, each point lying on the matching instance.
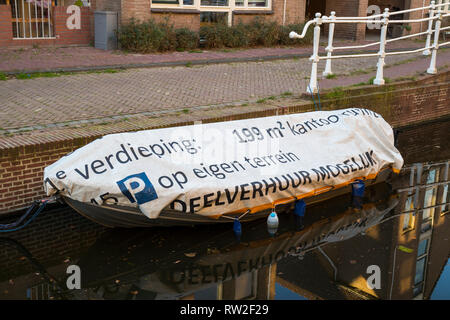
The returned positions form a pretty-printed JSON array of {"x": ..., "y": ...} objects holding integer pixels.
[
  {"x": 54, "y": 236},
  {"x": 67, "y": 36},
  {"x": 63, "y": 36},
  {"x": 179, "y": 20},
  {"x": 138, "y": 9},
  {"x": 141, "y": 10},
  {"x": 349, "y": 8},
  {"x": 21, "y": 172},
  {"x": 388, "y": 3},
  {"x": 295, "y": 12},
  {"x": 106, "y": 5},
  {"x": 416, "y": 27},
  {"x": 5, "y": 25},
  {"x": 403, "y": 106},
  {"x": 21, "y": 168}
]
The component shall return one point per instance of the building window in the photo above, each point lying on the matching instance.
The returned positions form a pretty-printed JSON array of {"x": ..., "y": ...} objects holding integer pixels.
[
  {"x": 445, "y": 199},
  {"x": 418, "y": 289},
  {"x": 32, "y": 19},
  {"x": 420, "y": 271},
  {"x": 213, "y": 17},
  {"x": 166, "y": 1},
  {"x": 214, "y": 3},
  {"x": 422, "y": 253},
  {"x": 422, "y": 249},
  {"x": 257, "y": 3},
  {"x": 409, "y": 217},
  {"x": 429, "y": 200}
]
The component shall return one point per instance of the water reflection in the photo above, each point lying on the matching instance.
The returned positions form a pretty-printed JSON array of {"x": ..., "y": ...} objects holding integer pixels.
[{"x": 401, "y": 227}]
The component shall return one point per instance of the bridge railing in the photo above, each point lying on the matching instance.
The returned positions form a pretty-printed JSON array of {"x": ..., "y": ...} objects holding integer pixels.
[{"x": 436, "y": 12}]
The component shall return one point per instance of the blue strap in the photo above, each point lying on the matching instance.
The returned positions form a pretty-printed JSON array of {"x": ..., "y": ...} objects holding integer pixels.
[
  {"x": 312, "y": 96},
  {"x": 38, "y": 211}
]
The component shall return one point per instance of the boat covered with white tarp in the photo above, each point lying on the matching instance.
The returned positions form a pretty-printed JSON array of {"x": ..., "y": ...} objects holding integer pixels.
[{"x": 205, "y": 172}]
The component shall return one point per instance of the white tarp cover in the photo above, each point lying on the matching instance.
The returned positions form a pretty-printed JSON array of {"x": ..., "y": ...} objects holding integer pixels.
[{"x": 217, "y": 168}]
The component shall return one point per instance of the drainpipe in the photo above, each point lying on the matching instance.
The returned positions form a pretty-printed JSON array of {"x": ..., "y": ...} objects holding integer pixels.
[{"x": 284, "y": 13}]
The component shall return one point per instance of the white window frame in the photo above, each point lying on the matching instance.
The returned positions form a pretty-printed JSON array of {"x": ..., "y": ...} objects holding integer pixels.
[
  {"x": 409, "y": 219},
  {"x": 229, "y": 9}
]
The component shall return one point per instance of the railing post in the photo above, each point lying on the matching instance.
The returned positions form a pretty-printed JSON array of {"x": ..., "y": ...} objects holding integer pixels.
[
  {"x": 315, "y": 56},
  {"x": 430, "y": 29},
  {"x": 437, "y": 28},
  {"x": 329, "y": 48},
  {"x": 379, "y": 80}
]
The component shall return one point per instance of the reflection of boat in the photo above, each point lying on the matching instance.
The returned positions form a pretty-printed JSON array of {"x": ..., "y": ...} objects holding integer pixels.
[
  {"x": 168, "y": 265},
  {"x": 221, "y": 171}
]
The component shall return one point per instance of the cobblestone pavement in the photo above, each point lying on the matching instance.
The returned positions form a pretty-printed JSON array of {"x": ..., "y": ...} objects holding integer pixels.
[
  {"x": 76, "y": 58},
  {"x": 45, "y": 101}
]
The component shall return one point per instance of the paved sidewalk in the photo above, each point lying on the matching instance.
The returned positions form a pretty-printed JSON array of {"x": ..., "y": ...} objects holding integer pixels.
[
  {"x": 43, "y": 102},
  {"x": 87, "y": 58}
]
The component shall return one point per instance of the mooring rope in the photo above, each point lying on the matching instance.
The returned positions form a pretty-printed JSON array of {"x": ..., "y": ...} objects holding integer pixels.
[{"x": 10, "y": 227}]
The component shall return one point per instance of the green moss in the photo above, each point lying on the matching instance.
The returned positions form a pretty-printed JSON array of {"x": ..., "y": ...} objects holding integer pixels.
[
  {"x": 108, "y": 71},
  {"x": 336, "y": 93},
  {"x": 25, "y": 76},
  {"x": 362, "y": 71},
  {"x": 3, "y": 76},
  {"x": 331, "y": 76},
  {"x": 360, "y": 84}
]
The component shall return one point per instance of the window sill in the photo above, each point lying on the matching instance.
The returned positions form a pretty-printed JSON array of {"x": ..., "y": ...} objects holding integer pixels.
[
  {"x": 167, "y": 10},
  {"x": 253, "y": 11}
]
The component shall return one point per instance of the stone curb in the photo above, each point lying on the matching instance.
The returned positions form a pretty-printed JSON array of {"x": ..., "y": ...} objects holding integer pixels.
[{"x": 184, "y": 62}]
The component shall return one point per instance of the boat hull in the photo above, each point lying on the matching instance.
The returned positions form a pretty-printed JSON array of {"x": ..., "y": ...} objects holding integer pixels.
[{"x": 131, "y": 217}]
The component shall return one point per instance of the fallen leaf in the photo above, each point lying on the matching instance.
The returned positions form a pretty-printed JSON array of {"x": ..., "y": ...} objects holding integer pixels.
[{"x": 190, "y": 254}]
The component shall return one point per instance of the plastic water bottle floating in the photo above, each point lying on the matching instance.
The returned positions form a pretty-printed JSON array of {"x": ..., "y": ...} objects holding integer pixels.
[{"x": 272, "y": 223}]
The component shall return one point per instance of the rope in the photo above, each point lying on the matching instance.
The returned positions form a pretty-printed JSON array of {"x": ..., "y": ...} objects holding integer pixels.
[
  {"x": 312, "y": 96},
  {"x": 318, "y": 95},
  {"x": 38, "y": 211},
  {"x": 14, "y": 224},
  {"x": 244, "y": 214}
]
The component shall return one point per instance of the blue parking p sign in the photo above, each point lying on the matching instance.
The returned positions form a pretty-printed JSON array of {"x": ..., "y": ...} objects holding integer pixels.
[{"x": 138, "y": 188}]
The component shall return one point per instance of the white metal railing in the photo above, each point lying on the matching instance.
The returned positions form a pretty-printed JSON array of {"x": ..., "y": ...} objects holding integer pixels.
[
  {"x": 32, "y": 19},
  {"x": 436, "y": 13}
]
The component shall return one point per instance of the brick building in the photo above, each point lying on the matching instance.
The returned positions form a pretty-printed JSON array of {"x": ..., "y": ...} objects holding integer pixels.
[
  {"x": 26, "y": 22},
  {"x": 44, "y": 22}
]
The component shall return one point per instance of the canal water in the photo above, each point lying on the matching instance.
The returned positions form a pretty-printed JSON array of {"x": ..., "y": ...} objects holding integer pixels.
[{"x": 392, "y": 244}]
